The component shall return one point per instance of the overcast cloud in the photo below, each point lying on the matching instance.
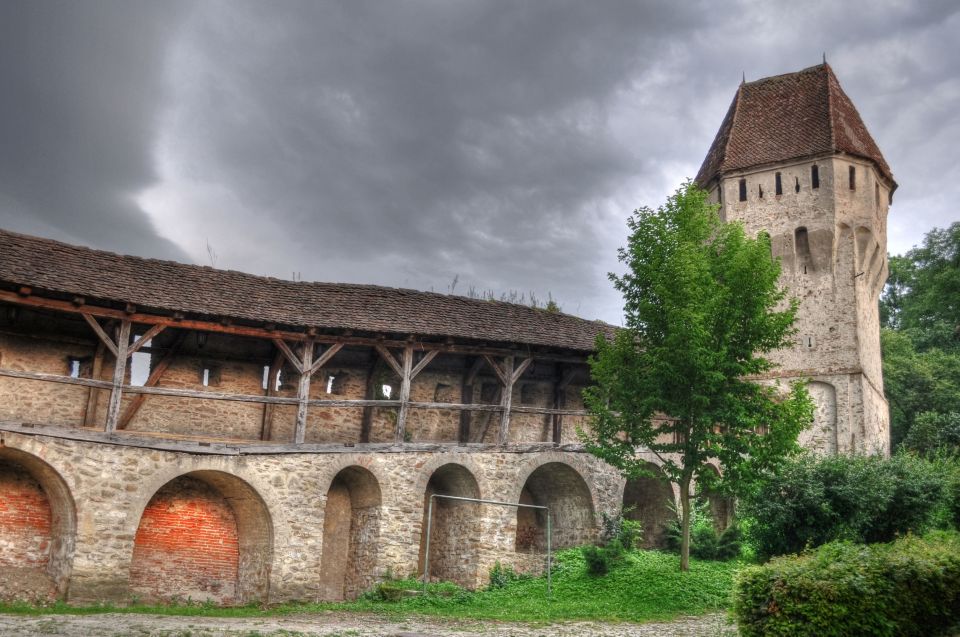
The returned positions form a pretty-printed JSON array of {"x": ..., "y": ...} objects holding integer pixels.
[{"x": 407, "y": 143}]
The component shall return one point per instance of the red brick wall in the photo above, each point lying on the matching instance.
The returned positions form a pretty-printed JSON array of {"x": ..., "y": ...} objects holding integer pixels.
[
  {"x": 186, "y": 546},
  {"x": 24, "y": 519}
]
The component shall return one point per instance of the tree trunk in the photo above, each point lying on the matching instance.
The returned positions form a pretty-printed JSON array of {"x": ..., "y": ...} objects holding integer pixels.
[{"x": 685, "y": 523}]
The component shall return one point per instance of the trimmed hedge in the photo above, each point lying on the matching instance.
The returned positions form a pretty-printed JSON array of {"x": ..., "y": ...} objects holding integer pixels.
[{"x": 908, "y": 587}]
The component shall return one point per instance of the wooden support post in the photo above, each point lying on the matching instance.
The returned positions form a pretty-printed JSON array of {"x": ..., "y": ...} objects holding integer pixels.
[
  {"x": 466, "y": 397},
  {"x": 266, "y": 427},
  {"x": 119, "y": 375},
  {"x": 159, "y": 369},
  {"x": 509, "y": 374},
  {"x": 506, "y": 399},
  {"x": 406, "y": 377},
  {"x": 303, "y": 392},
  {"x": 563, "y": 380},
  {"x": 90, "y": 411}
]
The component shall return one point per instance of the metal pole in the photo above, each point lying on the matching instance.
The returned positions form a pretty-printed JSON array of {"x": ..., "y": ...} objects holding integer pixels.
[
  {"x": 426, "y": 557},
  {"x": 549, "y": 555}
]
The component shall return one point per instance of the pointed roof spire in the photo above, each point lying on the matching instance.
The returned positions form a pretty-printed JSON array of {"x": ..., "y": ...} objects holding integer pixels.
[{"x": 787, "y": 117}]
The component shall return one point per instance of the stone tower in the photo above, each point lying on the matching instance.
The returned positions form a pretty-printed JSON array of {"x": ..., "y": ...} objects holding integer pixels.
[{"x": 794, "y": 159}]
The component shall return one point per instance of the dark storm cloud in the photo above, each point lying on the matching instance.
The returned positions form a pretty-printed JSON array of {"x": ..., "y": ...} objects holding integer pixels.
[
  {"x": 409, "y": 142},
  {"x": 80, "y": 87}
]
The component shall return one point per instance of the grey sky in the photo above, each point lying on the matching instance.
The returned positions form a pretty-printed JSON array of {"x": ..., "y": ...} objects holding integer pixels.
[{"x": 406, "y": 143}]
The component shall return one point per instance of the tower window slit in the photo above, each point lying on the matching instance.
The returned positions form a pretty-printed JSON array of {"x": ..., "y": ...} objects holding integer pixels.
[
  {"x": 779, "y": 185},
  {"x": 853, "y": 177},
  {"x": 743, "y": 190},
  {"x": 815, "y": 176},
  {"x": 797, "y": 187},
  {"x": 760, "y": 190}
]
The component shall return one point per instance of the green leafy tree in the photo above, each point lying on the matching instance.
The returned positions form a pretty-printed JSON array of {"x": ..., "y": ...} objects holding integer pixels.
[
  {"x": 922, "y": 296},
  {"x": 702, "y": 305},
  {"x": 920, "y": 339}
]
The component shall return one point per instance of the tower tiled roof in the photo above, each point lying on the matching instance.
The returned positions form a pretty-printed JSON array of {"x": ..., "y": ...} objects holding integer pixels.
[
  {"x": 788, "y": 117},
  {"x": 167, "y": 286}
]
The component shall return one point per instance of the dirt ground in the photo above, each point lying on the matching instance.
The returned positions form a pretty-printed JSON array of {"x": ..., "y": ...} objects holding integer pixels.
[{"x": 340, "y": 625}]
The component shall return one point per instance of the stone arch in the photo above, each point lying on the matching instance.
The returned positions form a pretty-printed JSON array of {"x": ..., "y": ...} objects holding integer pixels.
[
  {"x": 821, "y": 436},
  {"x": 351, "y": 534},
  {"x": 38, "y": 525},
  {"x": 204, "y": 535},
  {"x": 455, "y": 529},
  {"x": 560, "y": 487},
  {"x": 649, "y": 500},
  {"x": 722, "y": 507}
]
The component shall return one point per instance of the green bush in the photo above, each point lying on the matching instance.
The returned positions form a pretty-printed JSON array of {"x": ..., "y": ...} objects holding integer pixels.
[
  {"x": 620, "y": 527},
  {"x": 501, "y": 576},
  {"x": 909, "y": 587},
  {"x": 705, "y": 542},
  {"x": 812, "y": 501},
  {"x": 598, "y": 562}
]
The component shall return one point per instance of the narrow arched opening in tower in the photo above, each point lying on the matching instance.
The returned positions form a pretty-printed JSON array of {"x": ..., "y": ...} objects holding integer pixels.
[
  {"x": 558, "y": 486},
  {"x": 649, "y": 500},
  {"x": 351, "y": 534},
  {"x": 204, "y": 536},
  {"x": 455, "y": 527},
  {"x": 37, "y": 529}
]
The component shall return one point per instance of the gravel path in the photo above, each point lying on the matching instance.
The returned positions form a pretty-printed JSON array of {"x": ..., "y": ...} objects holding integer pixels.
[{"x": 339, "y": 625}]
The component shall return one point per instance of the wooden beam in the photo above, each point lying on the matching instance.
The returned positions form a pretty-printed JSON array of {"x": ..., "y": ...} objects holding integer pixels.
[
  {"x": 119, "y": 375},
  {"x": 406, "y": 376},
  {"x": 273, "y": 400},
  {"x": 429, "y": 356},
  {"x": 325, "y": 357},
  {"x": 146, "y": 338},
  {"x": 177, "y": 320},
  {"x": 504, "y": 378},
  {"x": 522, "y": 367},
  {"x": 303, "y": 391},
  {"x": 389, "y": 359},
  {"x": 155, "y": 374},
  {"x": 506, "y": 400},
  {"x": 104, "y": 337},
  {"x": 293, "y": 358},
  {"x": 266, "y": 427},
  {"x": 93, "y": 395}
]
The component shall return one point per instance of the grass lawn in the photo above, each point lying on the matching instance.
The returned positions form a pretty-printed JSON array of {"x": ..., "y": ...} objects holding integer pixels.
[{"x": 644, "y": 586}]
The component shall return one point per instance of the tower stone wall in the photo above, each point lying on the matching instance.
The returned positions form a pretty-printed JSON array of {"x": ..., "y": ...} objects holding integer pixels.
[{"x": 831, "y": 241}]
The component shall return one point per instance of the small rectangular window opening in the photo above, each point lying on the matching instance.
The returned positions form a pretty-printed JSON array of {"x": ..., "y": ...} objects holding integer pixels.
[
  {"x": 743, "y": 190},
  {"x": 74, "y": 365},
  {"x": 797, "y": 187},
  {"x": 266, "y": 377},
  {"x": 815, "y": 176},
  {"x": 330, "y": 379},
  {"x": 760, "y": 190},
  {"x": 876, "y": 195},
  {"x": 810, "y": 342},
  {"x": 206, "y": 376},
  {"x": 387, "y": 391},
  {"x": 779, "y": 185},
  {"x": 853, "y": 178}
]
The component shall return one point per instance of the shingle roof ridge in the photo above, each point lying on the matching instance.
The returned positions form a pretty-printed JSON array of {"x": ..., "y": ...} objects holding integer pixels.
[
  {"x": 830, "y": 107},
  {"x": 733, "y": 124}
]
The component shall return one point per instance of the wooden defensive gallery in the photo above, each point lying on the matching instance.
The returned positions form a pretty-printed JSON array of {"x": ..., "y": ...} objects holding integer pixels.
[{"x": 171, "y": 431}]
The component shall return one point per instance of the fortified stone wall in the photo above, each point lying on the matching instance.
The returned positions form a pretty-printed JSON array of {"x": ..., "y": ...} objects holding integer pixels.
[{"x": 117, "y": 509}]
